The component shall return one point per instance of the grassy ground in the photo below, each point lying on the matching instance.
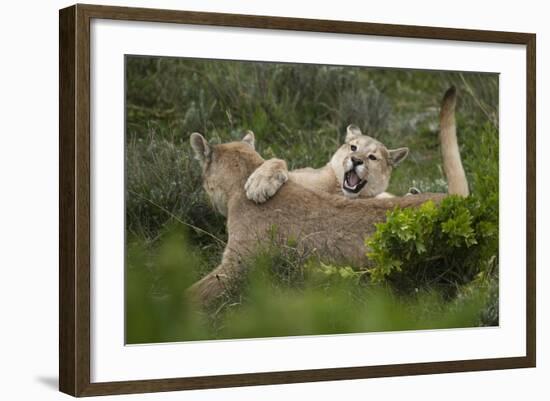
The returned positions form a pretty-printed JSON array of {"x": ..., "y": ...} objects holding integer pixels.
[{"x": 298, "y": 113}]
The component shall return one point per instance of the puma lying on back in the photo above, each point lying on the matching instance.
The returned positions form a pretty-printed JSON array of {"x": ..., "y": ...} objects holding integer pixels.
[
  {"x": 362, "y": 166},
  {"x": 331, "y": 226}
]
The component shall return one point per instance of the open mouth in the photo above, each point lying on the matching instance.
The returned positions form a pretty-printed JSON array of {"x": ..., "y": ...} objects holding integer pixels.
[{"x": 352, "y": 183}]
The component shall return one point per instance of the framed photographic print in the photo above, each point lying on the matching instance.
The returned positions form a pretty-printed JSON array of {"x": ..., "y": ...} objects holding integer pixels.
[{"x": 251, "y": 200}]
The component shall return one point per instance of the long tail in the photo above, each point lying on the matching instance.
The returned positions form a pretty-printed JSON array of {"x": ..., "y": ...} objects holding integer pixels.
[{"x": 452, "y": 163}]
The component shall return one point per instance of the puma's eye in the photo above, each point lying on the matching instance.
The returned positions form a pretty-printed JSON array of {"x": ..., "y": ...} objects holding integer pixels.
[
  {"x": 353, "y": 148},
  {"x": 372, "y": 157}
]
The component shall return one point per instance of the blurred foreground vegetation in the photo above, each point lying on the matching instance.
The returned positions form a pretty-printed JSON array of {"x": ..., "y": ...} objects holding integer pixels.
[
  {"x": 435, "y": 267},
  {"x": 284, "y": 294}
]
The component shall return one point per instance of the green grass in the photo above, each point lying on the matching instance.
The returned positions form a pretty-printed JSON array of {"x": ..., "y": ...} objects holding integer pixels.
[{"x": 298, "y": 113}]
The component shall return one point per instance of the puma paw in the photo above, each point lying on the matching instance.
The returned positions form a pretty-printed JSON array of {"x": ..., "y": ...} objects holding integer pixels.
[{"x": 264, "y": 183}]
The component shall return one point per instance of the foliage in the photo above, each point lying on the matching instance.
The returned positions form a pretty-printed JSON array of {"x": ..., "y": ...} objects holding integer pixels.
[
  {"x": 447, "y": 245},
  {"x": 163, "y": 185},
  {"x": 156, "y": 309},
  {"x": 336, "y": 304},
  {"x": 321, "y": 299}
]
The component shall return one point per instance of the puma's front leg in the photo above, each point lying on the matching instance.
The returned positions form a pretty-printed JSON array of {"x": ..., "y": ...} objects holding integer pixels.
[{"x": 266, "y": 180}]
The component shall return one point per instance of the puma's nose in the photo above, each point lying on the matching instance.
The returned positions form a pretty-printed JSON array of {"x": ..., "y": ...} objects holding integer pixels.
[{"x": 356, "y": 161}]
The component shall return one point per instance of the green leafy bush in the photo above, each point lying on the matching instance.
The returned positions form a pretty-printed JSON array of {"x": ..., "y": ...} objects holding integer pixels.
[{"x": 446, "y": 245}]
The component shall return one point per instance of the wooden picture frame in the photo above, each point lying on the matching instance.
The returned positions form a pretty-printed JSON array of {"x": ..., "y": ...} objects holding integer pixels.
[{"x": 74, "y": 203}]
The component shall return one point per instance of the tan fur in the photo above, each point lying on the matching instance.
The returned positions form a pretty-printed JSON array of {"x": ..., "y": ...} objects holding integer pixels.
[
  {"x": 268, "y": 178},
  {"x": 333, "y": 227},
  {"x": 450, "y": 153}
]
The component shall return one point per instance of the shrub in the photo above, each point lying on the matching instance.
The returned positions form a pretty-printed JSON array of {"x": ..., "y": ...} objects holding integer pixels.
[
  {"x": 445, "y": 245},
  {"x": 163, "y": 188}
]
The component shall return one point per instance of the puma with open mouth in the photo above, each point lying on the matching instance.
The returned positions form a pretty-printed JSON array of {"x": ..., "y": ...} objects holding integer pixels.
[
  {"x": 352, "y": 182},
  {"x": 361, "y": 160}
]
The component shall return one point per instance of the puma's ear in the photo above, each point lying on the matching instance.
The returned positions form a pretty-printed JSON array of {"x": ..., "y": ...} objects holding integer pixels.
[
  {"x": 352, "y": 131},
  {"x": 249, "y": 139},
  {"x": 398, "y": 155},
  {"x": 200, "y": 147}
]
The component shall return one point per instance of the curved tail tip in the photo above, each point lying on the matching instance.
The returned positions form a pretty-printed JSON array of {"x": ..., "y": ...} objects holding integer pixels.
[{"x": 450, "y": 95}]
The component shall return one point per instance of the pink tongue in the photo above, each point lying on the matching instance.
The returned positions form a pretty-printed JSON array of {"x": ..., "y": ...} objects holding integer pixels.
[{"x": 353, "y": 179}]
